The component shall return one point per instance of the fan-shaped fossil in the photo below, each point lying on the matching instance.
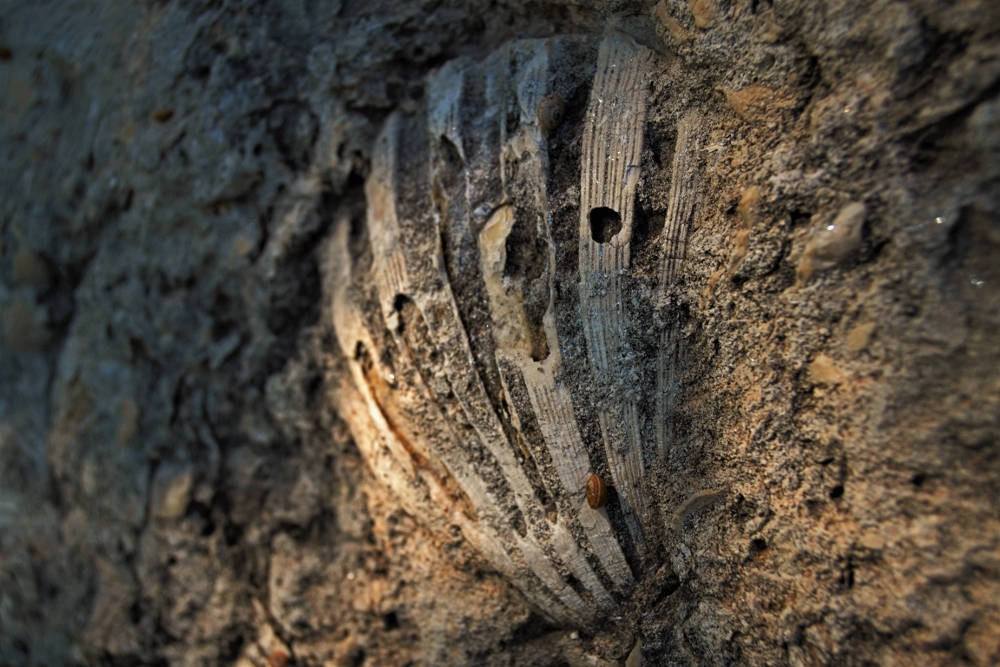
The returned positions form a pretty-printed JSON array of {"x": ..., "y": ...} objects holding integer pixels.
[{"x": 496, "y": 329}]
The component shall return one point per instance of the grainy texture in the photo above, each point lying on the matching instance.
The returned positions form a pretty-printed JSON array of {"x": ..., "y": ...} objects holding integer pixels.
[{"x": 314, "y": 322}]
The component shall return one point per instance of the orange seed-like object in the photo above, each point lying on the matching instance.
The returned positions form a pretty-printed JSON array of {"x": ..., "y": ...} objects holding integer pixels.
[{"x": 597, "y": 491}]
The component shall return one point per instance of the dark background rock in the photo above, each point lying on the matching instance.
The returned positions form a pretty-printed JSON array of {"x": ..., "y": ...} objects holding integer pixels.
[{"x": 176, "y": 486}]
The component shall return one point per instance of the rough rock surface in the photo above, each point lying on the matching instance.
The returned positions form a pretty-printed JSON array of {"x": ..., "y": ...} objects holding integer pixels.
[{"x": 178, "y": 484}]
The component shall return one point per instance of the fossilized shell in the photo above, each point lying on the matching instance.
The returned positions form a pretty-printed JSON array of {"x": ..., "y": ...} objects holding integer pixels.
[{"x": 491, "y": 337}]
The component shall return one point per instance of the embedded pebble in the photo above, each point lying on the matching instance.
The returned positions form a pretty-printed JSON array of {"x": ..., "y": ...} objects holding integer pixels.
[
  {"x": 859, "y": 336},
  {"x": 835, "y": 242},
  {"x": 703, "y": 12},
  {"x": 171, "y": 491},
  {"x": 749, "y": 206},
  {"x": 668, "y": 25},
  {"x": 739, "y": 250},
  {"x": 756, "y": 103},
  {"x": 823, "y": 370}
]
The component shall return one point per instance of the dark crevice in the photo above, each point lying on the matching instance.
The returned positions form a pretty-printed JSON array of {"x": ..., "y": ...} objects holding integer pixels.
[
  {"x": 646, "y": 226},
  {"x": 295, "y": 289},
  {"x": 668, "y": 586}
]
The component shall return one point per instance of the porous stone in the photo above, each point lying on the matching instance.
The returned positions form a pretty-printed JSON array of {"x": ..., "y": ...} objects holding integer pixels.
[{"x": 313, "y": 334}]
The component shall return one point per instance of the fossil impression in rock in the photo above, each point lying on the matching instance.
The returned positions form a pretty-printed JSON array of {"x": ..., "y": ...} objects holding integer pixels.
[{"x": 505, "y": 340}]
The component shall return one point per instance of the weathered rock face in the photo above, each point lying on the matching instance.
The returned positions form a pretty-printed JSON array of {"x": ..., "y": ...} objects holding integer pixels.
[{"x": 317, "y": 320}]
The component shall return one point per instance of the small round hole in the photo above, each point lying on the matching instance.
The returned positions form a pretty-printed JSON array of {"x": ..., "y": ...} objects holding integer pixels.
[
  {"x": 837, "y": 491},
  {"x": 605, "y": 223}
]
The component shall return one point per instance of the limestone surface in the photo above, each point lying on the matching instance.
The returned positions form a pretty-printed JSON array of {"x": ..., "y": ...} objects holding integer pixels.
[{"x": 317, "y": 317}]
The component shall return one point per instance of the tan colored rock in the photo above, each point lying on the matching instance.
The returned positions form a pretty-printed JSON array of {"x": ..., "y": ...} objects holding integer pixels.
[
  {"x": 859, "y": 337},
  {"x": 749, "y": 206},
  {"x": 703, "y": 11},
  {"x": 824, "y": 370},
  {"x": 740, "y": 243},
  {"x": 758, "y": 103},
  {"x": 835, "y": 242},
  {"x": 172, "y": 491},
  {"x": 669, "y": 24}
]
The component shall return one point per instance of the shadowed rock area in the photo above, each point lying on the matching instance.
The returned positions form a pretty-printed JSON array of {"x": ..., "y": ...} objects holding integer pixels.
[{"x": 316, "y": 319}]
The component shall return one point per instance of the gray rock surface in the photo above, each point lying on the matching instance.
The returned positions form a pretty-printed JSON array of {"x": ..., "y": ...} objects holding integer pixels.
[{"x": 179, "y": 486}]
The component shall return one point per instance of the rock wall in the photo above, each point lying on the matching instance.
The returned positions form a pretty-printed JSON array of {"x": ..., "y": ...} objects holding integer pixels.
[{"x": 800, "y": 332}]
